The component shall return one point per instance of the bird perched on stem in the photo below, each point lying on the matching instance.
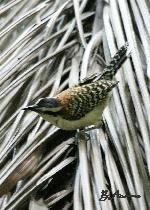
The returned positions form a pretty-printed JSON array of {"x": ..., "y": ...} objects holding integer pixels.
[{"x": 82, "y": 105}]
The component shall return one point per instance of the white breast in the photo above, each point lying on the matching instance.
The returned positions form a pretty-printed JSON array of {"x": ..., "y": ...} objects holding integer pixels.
[{"x": 92, "y": 118}]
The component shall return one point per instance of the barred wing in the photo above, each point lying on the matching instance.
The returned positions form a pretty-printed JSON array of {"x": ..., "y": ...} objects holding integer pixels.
[{"x": 80, "y": 100}]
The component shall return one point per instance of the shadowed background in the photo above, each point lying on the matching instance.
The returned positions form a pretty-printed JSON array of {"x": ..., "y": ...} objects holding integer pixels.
[{"x": 48, "y": 46}]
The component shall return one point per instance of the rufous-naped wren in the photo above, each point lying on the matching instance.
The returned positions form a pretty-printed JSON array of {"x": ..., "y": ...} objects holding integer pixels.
[{"x": 82, "y": 105}]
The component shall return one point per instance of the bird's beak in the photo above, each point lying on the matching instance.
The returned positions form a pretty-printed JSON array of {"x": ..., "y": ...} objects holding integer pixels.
[{"x": 34, "y": 108}]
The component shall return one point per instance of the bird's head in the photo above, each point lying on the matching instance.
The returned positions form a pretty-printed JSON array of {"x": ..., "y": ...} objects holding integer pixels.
[{"x": 46, "y": 106}]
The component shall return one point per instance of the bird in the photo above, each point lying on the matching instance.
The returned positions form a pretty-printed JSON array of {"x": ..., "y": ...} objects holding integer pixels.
[{"x": 82, "y": 106}]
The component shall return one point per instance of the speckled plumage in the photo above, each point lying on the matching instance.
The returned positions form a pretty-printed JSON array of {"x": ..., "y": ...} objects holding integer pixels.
[
  {"x": 80, "y": 100},
  {"x": 82, "y": 105},
  {"x": 115, "y": 63}
]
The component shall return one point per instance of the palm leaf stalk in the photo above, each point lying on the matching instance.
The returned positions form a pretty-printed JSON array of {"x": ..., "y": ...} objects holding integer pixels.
[{"x": 45, "y": 47}]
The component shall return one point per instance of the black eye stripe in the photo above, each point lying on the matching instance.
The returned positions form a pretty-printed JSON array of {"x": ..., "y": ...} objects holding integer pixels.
[
  {"x": 48, "y": 102},
  {"x": 55, "y": 114}
]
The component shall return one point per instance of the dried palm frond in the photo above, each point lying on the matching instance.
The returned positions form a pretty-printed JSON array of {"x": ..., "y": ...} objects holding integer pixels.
[{"x": 45, "y": 47}]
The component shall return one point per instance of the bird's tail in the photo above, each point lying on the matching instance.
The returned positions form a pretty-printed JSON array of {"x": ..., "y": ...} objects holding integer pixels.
[
  {"x": 116, "y": 62},
  {"x": 111, "y": 69}
]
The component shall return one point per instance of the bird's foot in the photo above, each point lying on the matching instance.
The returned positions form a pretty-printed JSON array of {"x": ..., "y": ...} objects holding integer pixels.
[
  {"x": 84, "y": 132},
  {"x": 90, "y": 128},
  {"x": 81, "y": 134}
]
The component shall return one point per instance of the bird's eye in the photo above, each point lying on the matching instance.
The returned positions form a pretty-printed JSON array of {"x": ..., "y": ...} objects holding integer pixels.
[
  {"x": 44, "y": 102},
  {"x": 48, "y": 104}
]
